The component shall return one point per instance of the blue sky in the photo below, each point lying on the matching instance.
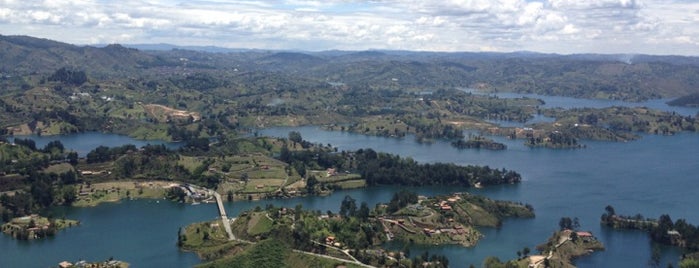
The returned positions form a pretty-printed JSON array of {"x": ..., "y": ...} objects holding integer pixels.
[{"x": 552, "y": 26}]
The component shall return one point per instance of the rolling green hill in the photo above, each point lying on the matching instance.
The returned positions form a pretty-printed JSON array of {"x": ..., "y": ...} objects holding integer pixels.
[{"x": 50, "y": 87}]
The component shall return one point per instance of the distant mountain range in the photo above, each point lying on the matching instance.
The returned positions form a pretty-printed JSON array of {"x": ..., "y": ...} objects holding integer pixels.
[
  {"x": 619, "y": 76},
  {"x": 625, "y": 58}
]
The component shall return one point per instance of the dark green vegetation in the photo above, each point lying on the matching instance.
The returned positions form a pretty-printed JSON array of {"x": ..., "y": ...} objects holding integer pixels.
[
  {"x": 387, "y": 169},
  {"x": 478, "y": 142},
  {"x": 353, "y": 236},
  {"x": 691, "y": 100},
  {"x": 662, "y": 230},
  {"x": 43, "y": 176}
]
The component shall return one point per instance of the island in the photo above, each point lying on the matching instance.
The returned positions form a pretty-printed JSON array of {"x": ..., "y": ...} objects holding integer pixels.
[
  {"x": 478, "y": 142},
  {"x": 353, "y": 236},
  {"x": 35, "y": 227}
]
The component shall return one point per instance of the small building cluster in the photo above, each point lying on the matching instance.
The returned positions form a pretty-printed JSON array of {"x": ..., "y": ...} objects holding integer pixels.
[{"x": 84, "y": 264}]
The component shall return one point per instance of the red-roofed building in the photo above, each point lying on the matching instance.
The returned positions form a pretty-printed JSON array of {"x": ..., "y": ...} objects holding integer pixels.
[{"x": 584, "y": 234}]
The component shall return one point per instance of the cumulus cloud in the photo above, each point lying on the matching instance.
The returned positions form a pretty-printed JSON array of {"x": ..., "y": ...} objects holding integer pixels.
[{"x": 561, "y": 26}]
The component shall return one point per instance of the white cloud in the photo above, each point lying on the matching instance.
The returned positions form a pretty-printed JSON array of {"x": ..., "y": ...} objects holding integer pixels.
[{"x": 562, "y": 26}]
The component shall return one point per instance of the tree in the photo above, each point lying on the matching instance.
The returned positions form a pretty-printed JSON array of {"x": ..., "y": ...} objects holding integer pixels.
[
  {"x": 6, "y": 216},
  {"x": 348, "y": 208},
  {"x": 610, "y": 210},
  {"x": 176, "y": 193},
  {"x": 295, "y": 136},
  {"x": 565, "y": 223},
  {"x": 311, "y": 183},
  {"x": 401, "y": 199},
  {"x": 573, "y": 237},
  {"x": 71, "y": 77},
  {"x": 68, "y": 177},
  {"x": 226, "y": 167},
  {"x": 526, "y": 251},
  {"x": 72, "y": 158},
  {"x": 69, "y": 195},
  {"x": 285, "y": 155},
  {"x": 297, "y": 212},
  {"x": 659, "y": 233},
  {"x": 363, "y": 212}
]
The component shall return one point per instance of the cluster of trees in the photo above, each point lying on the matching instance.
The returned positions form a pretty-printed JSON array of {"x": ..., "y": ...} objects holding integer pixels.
[
  {"x": 103, "y": 153},
  {"x": 427, "y": 260},
  {"x": 478, "y": 142},
  {"x": 566, "y": 223},
  {"x": 197, "y": 81},
  {"x": 67, "y": 76},
  {"x": 400, "y": 200},
  {"x": 176, "y": 193},
  {"x": 663, "y": 230},
  {"x": 435, "y": 130},
  {"x": 45, "y": 189},
  {"x": 180, "y": 133},
  {"x": 348, "y": 209},
  {"x": 387, "y": 169},
  {"x": 554, "y": 139}
]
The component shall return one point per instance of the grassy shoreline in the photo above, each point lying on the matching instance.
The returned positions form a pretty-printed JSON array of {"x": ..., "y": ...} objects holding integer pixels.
[{"x": 90, "y": 195}]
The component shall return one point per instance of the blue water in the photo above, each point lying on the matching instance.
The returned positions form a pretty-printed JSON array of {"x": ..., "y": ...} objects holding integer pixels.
[
  {"x": 83, "y": 143},
  {"x": 568, "y": 102},
  {"x": 652, "y": 176}
]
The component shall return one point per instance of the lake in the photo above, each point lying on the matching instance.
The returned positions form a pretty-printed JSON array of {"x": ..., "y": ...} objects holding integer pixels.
[
  {"x": 651, "y": 176},
  {"x": 83, "y": 143},
  {"x": 568, "y": 102}
]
